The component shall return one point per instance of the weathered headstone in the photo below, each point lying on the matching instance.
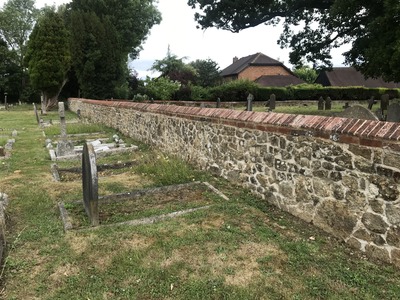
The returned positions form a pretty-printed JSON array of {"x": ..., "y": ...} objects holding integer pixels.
[
  {"x": 218, "y": 102},
  {"x": 321, "y": 103},
  {"x": 2, "y": 151},
  {"x": 78, "y": 112},
  {"x": 358, "y": 112},
  {"x": 250, "y": 99},
  {"x": 393, "y": 114},
  {"x": 14, "y": 133},
  {"x": 90, "y": 184},
  {"x": 272, "y": 102},
  {"x": 346, "y": 105},
  {"x": 36, "y": 113},
  {"x": 328, "y": 103},
  {"x": 371, "y": 102},
  {"x": 63, "y": 125},
  {"x": 64, "y": 147},
  {"x": 384, "y": 105}
]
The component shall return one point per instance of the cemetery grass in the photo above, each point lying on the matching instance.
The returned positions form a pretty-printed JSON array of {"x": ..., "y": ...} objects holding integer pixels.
[{"x": 238, "y": 249}]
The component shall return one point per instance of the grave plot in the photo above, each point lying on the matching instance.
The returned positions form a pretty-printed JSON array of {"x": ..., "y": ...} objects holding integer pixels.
[
  {"x": 142, "y": 206},
  {"x": 67, "y": 149},
  {"x": 7, "y": 143}
]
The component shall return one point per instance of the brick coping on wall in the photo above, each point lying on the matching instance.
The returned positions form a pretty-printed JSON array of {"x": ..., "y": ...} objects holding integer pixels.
[{"x": 349, "y": 131}]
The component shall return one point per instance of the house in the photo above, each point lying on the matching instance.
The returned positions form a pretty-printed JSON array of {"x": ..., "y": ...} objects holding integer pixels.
[
  {"x": 262, "y": 69},
  {"x": 348, "y": 76}
]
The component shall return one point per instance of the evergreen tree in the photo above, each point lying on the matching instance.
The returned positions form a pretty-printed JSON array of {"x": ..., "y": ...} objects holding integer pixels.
[
  {"x": 103, "y": 34},
  {"x": 48, "y": 57}
]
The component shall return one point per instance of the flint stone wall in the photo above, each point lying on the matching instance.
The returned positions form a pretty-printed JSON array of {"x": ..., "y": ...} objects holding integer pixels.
[{"x": 339, "y": 174}]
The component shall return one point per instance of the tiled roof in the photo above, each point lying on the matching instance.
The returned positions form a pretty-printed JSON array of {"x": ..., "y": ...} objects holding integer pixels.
[
  {"x": 257, "y": 59},
  {"x": 279, "y": 80},
  {"x": 347, "y": 76}
]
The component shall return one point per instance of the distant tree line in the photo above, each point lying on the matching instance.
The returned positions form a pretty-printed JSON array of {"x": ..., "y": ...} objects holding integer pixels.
[{"x": 79, "y": 49}]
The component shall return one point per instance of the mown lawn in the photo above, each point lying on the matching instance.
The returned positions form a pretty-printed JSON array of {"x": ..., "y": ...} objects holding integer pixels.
[{"x": 238, "y": 249}]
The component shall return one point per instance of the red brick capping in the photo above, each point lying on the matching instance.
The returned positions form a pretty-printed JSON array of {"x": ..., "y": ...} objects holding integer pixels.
[{"x": 350, "y": 131}]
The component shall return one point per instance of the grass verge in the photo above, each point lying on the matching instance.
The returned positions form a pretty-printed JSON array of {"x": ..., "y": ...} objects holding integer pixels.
[{"x": 240, "y": 249}]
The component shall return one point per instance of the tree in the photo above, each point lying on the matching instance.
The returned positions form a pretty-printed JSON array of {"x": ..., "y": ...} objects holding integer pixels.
[
  {"x": 207, "y": 72},
  {"x": 162, "y": 88},
  {"x": 306, "y": 73},
  {"x": 174, "y": 68},
  {"x": 16, "y": 22},
  {"x": 313, "y": 27},
  {"x": 48, "y": 57},
  {"x": 103, "y": 34}
]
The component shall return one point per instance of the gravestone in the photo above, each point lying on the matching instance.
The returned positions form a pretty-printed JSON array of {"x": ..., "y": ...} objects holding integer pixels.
[
  {"x": 346, "y": 105},
  {"x": 384, "y": 105},
  {"x": 272, "y": 102},
  {"x": 250, "y": 99},
  {"x": 321, "y": 103},
  {"x": 78, "y": 112},
  {"x": 2, "y": 151},
  {"x": 36, "y": 113},
  {"x": 371, "y": 102},
  {"x": 328, "y": 103},
  {"x": 393, "y": 114},
  {"x": 90, "y": 184},
  {"x": 63, "y": 125},
  {"x": 358, "y": 112},
  {"x": 218, "y": 102},
  {"x": 64, "y": 147}
]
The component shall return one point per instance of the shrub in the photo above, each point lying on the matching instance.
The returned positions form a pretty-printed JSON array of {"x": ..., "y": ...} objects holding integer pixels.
[{"x": 233, "y": 91}]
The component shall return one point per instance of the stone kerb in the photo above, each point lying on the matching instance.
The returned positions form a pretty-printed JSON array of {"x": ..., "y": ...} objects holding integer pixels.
[{"x": 340, "y": 174}]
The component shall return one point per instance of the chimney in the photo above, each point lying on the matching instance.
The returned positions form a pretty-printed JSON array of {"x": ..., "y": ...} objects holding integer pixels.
[{"x": 235, "y": 59}]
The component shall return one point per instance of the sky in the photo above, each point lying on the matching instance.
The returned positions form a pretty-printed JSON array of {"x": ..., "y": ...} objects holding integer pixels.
[{"x": 178, "y": 31}]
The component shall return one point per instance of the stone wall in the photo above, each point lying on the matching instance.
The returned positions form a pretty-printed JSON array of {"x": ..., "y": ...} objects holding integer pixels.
[{"x": 339, "y": 174}]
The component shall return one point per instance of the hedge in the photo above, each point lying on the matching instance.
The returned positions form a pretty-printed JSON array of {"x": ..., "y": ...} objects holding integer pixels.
[{"x": 238, "y": 91}]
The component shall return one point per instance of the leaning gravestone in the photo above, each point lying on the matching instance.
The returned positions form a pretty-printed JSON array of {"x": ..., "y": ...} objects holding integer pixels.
[
  {"x": 321, "y": 103},
  {"x": 384, "y": 105},
  {"x": 90, "y": 184},
  {"x": 36, "y": 113},
  {"x": 371, "y": 102},
  {"x": 328, "y": 103},
  {"x": 393, "y": 114},
  {"x": 358, "y": 112}
]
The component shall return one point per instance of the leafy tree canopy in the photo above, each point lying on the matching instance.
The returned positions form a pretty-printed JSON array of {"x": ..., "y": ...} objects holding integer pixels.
[
  {"x": 174, "y": 68},
  {"x": 313, "y": 27},
  {"x": 207, "y": 72},
  {"x": 306, "y": 73}
]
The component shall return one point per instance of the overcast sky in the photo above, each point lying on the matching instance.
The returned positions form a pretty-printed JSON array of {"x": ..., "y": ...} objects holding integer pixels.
[{"x": 178, "y": 30}]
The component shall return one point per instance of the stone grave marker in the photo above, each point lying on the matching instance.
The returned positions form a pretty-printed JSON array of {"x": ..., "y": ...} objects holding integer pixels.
[
  {"x": 63, "y": 125},
  {"x": 321, "y": 103},
  {"x": 393, "y": 114},
  {"x": 358, "y": 112},
  {"x": 2, "y": 151},
  {"x": 346, "y": 105},
  {"x": 218, "y": 102},
  {"x": 64, "y": 147},
  {"x": 250, "y": 99},
  {"x": 384, "y": 105},
  {"x": 328, "y": 103},
  {"x": 371, "y": 102},
  {"x": 36, "y": 113},
  {"x": 90, "y": 184},
  {"x": 272, "y": 102}
]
